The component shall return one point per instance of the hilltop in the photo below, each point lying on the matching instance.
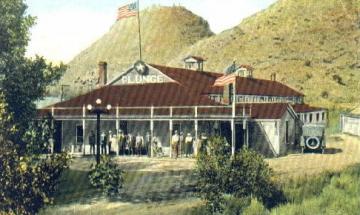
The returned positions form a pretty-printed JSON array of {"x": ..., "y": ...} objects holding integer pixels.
[
  {"x": 165, "y": 32},
  {"x": 311, "y": 45}
]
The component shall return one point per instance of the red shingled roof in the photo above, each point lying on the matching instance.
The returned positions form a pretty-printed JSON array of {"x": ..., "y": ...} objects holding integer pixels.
[
  {"x": 303, "y": 108},
  {"x": 194, "y": 81},
  {"x": 264, "y": 110},
  {"x": 253, "y": 86},
  {"x": 145, "y": 95},
  {"x": 189, "y": 90}
]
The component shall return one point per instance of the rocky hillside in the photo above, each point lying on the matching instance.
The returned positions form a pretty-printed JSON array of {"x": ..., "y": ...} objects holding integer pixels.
[
  {"x": 165, "y": 32},
  {"x": 312, "y": 45}
]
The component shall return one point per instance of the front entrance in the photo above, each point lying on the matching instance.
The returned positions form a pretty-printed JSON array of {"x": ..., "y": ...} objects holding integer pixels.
[
  {"x": 123, "y": 127},
  {"x": 225, "y": 131},
  {"x": 239, "y": 137}
]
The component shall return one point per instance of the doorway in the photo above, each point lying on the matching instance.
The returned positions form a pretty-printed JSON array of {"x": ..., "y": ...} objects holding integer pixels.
[
  {"x": 239, "y": 136},
  {"x": 58, "y": 136}
]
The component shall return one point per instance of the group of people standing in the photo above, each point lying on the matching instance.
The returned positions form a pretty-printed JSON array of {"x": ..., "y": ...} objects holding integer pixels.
[
  {"x": 121, "y": 144},
  {"x": 186, "y": 144},
  {"x": 129, "y": 144}
]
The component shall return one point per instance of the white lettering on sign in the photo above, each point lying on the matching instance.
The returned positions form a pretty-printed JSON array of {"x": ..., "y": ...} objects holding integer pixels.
[{"x": 139, "y": 79}]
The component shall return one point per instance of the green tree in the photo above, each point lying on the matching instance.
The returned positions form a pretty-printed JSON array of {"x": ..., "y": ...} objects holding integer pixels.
[
  {"x": 28, "y": 180},
  {"x": 24, "y": 80},
  {"x": 242, "y": 176}
]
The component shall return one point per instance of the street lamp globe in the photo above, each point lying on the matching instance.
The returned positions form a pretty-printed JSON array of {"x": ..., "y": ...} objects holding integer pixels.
[
  {"x": 108, "y": 107},
  {"x": 98, "y": 101},
  {"x": 89, "y": 107}
]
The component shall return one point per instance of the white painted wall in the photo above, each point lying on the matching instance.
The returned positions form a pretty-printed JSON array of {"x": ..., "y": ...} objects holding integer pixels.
[{"x": 271, "y": 131}]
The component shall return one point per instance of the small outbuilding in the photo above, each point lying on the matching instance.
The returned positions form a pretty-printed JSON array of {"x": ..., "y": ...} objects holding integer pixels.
[{"x": 350, "y": 122}]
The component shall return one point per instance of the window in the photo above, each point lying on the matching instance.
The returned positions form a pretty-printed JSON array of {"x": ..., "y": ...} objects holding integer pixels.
[
  {"x": 323, "y": 116},
  {"x": 305, "y": 117},
  {"x": 79, "y": 134},
  {"x": 310, "y": 120},
  {"x": 318, "y": 117}
]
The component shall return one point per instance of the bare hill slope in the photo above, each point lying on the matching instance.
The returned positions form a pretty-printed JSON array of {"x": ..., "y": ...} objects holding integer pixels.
[
  {"x": 165, "y": 32},
  {"x": 312, "y": 45}
]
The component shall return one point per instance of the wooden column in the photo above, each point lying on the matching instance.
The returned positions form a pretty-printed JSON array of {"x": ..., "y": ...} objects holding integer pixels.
[
  {"x": 196, "y": 126},
  {"x": 84, "y": 128},
  {"x": 117, "y": 122},
  {"x": 170, "y": 130},
  {"x": 233, "y": 139},
  {"x": 151, "y": 131},
  {"x": 247, "y": 134},
  {"x": 52, "y": 143},
  {"x": 233, "y": 133},
  {"x": 245, "y": 130}
]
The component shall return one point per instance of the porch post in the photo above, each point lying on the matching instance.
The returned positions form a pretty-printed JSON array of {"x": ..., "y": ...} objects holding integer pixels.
[
  {"x": 117, "y": 121},
  {"x": 52, "y": 143},
  {"x": 246, "y": 133},
  {"x": 170, "y": 130},
  {"x": 151, "y": 131},
  {"x": 84, "y": 129},
  {"x": 233, "y": 139},
  {"x": 117, "y": 125},
  {"x": 196, "y": 128}
]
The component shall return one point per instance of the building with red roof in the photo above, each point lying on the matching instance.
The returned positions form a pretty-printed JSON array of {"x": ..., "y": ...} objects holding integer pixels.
[{"x": 155, "y": 102}]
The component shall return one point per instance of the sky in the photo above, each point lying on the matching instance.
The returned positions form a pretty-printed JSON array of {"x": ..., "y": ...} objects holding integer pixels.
[{"x": 66, "y": 27}]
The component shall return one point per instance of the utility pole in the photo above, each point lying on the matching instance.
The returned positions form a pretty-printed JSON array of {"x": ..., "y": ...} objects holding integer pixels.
[{"x": 62, "y": 91}]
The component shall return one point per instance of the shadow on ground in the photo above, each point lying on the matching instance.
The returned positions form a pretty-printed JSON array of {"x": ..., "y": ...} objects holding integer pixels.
[
  {"x": 332, "y": 150},
  {"x": 139, "y": 186}
]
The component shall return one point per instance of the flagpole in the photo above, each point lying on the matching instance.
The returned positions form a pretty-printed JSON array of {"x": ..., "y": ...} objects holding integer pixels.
[{"x": 140, "y": 51}]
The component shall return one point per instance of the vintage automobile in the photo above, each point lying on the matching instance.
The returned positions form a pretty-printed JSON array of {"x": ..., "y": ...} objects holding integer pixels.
[{"x": 313, "y": 138}]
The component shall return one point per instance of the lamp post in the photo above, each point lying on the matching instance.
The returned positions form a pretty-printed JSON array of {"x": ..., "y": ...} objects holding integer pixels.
[{"x": 98, "y": 110}]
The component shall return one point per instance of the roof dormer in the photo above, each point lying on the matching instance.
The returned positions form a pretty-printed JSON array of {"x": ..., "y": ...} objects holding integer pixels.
[
  {"x": 194, "y": 63},
  {"x": 243, "y": 70}
]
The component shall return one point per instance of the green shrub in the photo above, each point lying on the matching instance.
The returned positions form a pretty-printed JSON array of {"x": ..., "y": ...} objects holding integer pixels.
[
  {"x": 107, "y": 176},
  {"x": 242, "y": 176},
  {"x": 28, "y": 182}
]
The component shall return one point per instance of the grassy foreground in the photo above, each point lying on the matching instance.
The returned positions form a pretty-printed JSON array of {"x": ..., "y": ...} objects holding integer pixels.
[
  {"x": 329, "y": 193},
  {"x": 313, "y": 183}
]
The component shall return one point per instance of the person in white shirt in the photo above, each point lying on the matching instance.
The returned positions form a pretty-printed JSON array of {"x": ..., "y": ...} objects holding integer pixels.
[
  {"x": 188, "y": 144},
  {"x": 175, "y": 139},
  {"x": 113, "y": 142},
  {"x": 139, "y": 140}
]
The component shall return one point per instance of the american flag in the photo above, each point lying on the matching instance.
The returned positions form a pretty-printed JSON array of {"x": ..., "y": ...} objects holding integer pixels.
[
  {"x": 224, "y": 80},
  {"x": 127, "y": 10}
]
